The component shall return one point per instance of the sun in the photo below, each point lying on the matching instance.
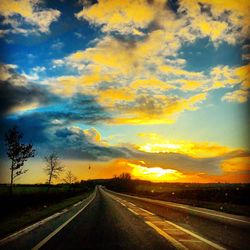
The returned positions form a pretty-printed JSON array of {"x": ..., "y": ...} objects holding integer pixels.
[{"x": 156, "y": 174}]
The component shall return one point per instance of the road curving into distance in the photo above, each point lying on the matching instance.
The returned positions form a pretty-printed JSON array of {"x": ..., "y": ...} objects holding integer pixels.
[{"x": 109, "y": 220}]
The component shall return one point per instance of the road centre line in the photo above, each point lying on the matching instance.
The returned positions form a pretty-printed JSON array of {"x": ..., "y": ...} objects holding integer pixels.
[
  {"x": 216, "y": 246},
  {"x": 131, "y": 210},
  {"x": 176, "y": 243},
  {"x": 46, "y": 239},
  {"x": 173, "y": 241},
  {"x": 132, "y": 204},
  {"x": 146, "y": 211}
]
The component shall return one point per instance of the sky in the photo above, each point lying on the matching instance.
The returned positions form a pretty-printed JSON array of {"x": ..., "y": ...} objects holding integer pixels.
[{"x": 155, "y": 88}]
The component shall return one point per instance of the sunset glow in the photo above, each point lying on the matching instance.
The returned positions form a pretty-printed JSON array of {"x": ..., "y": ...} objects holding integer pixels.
[
  {"x": 199, "y": 150},
  {"x": 155, "y": 174}
]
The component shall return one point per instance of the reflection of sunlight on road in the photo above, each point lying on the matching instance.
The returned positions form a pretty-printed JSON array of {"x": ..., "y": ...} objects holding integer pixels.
[{"x": 155, "y": 173}]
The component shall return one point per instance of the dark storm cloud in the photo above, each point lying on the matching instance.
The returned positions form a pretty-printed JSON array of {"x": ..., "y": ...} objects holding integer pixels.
[
  {"x": 15, "y": 91},
  {"x": 39, "y": 126},
  {"x": 80, "y": 108},
  {"x": 81, "y": 146},
  {"x": 54, "y": 113},
  {"x": 13, "y": 96}
]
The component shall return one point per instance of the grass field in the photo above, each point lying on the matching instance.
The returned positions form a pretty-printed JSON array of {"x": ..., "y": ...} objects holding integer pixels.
[
  {"x": 14, "y": 222},
  {"x": 31, "y": 203},
  {"x": 231, "y": 198}
]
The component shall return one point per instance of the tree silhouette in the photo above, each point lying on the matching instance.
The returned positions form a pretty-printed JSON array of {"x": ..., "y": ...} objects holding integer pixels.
[
  {"x": 53, "y": 167},
  {"x": 69, "y": 177},
  {"x": 125, "y": 176},
  {"x": 18, "y": 153}
]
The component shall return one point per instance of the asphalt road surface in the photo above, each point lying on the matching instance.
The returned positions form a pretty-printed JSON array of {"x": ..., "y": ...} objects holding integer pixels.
[
  {"x": 108, "y": 220},
  {"x": 224, "y": 230},
  {"x": 103, "y": 224}
]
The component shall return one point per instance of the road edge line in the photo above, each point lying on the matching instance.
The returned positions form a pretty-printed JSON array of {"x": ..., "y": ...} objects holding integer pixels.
[
  {"x": 48, "y": 237},
  {"x": 169, "y": 238},
  {"x": 33, "y": 226},
  {"x": 196, "y": 211}
]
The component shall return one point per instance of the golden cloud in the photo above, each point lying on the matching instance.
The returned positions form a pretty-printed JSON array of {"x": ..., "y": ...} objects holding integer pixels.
[
  {"x": 122, "y": 16},
  {"x": 155, "y": 110},
  {"x": 194, "y": 149},
  {"x": 156, "y": 174},
  {"x": 32, "y": 13},
  {"x": 239, "y": 95},
  {"x": 219, "y": 20},
  {"x": 236, "y": 164},
  {"x": 151, "y": 84}
]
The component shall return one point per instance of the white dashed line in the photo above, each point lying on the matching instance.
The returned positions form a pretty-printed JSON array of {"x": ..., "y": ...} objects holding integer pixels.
[
  {"x": 146, "y": 211},
  {"x": 174, "y": 242},
  {"x": 131, "y": 210},
  {"x": 132, "y": 204},
  {"x": 216, "y": 246}
]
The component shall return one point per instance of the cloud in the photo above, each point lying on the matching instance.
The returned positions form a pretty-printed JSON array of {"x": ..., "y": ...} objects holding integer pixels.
[
  {"x": 85, "y": 144},
  {"x": 220, "y": 21},
  {"x": 125, "y": 17},
  {"x": 151, "y": 84},
  {"x": 235, "y": 78},
  {"x": 239, "y": 95},
  {"x": 27, "y": 16},
  {"x": 57, "y": 45},
  {"x": 18, "y": 94},
  {"x": 237, "y": 164},
  {"x": 154, "y": 173},
  {"x": 193, "y": 149},
  {"x": 147, "y": 109}
]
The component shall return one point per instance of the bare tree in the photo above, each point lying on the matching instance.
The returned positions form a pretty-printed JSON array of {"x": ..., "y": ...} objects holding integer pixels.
[
  {"x": 125, "y": 176},
  {"x": 69, "y": 177},
  {"x": 53, "y": 167},
  {"x": 18, "y": 153}
]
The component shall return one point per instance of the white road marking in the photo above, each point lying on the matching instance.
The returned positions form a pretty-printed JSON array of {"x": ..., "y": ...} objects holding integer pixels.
[
  {"x": 78, "y": 203},
  {"x": 46, "y": 239},
  {"x": 131, "y": 210},
  {"x": 132, "y": 204},
  {"x": 216, "y": 246},
  {"x": 190, "y": 240},
  {"x": 186, "y": 208},
  {"x": 31, "y": 227},
  {"x": 174, "y": 242},
  {"x": 122, "y": 204},
  {"x": 146, "y": 211}
]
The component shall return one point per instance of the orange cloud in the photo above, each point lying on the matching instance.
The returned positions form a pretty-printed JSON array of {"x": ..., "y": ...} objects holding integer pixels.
[{"x": 236, "y": 164}]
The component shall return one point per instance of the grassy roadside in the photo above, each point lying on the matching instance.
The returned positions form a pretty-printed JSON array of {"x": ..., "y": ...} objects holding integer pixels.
[
  {"x": 236, "y": 209},
  {"x": 223, "y": 197},
  {"x": 16, "y": 221}
]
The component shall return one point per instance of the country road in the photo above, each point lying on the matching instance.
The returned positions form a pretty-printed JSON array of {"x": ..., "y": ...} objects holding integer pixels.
[{"x": 107, "y": 220}]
